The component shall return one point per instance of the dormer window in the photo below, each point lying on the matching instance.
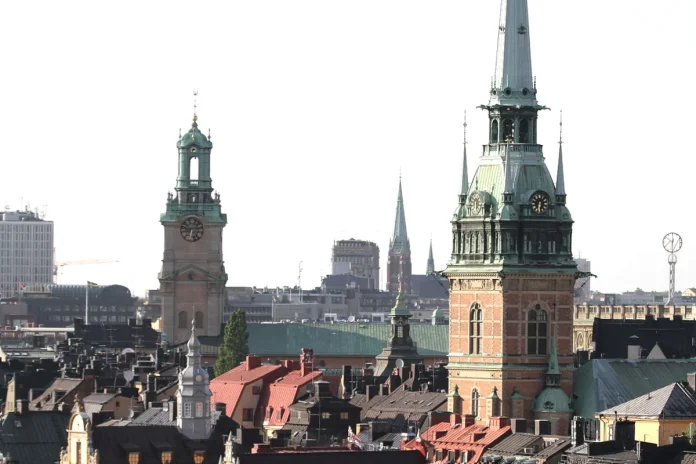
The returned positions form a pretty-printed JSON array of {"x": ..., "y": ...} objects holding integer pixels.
[
  {"x": 166, "y": 457},
  {"x": 134, "y": 457},
  {"x": 198, "y": 457}
]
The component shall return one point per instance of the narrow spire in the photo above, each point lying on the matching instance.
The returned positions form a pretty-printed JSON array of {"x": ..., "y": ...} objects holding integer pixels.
[
  {"x": 513, "y": 82},
  {"x": 431, "y": 262},
  {"x": 465, "y": 170},
  {"x": 400, "y": 236},
  {"x": 560, "y": 179}
]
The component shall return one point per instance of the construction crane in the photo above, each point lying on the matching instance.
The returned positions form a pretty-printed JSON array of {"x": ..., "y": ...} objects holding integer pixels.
[{"x": 60, "y": 264}]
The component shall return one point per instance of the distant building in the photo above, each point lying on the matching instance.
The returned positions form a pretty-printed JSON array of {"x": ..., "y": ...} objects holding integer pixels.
[
  {"x": 356, "y": 257},
  {"x": 399, "y": 261},
  {"x": 582, "y": 285},
  {"x": 26, "y": 251}
]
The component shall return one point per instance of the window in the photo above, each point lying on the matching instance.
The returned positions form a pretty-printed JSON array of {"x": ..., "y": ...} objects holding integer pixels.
[
  {"x": 326, "y": 415},
  {"x": 183, "y": 323},
  {"x": 198, "y": 457},
  {"x": 508, "y": 131},
  {"x": 475, "y": 402},
  {"x": 400, "y": 331},
  {"x": 475, "y": 326},
  {"x": 199, "y": 319},
  {"x": 247, "y": 414},
  {"x": 344, "y": 416},
  {"x": 537, "y": 329},
  {"x": 494, "y": 131},
  {"x": 187, "y": 409},
  {"x": 166, "y": 457},
  {"x": 133, "y": 458},
  {"x": 199, "y": 409},
  {"x": 279, "y": 416},
  {"x": 78, "y": 452},
  {"x": 524, "y": 131}
]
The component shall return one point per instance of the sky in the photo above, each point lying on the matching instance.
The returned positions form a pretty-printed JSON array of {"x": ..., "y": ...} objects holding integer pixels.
[{"x": 315, "y": 107}]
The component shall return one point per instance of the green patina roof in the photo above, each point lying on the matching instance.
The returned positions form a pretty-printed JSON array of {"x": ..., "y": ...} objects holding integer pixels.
[
  {"x": 603, "y": 383},
  {"x": 552, "y": 399},
  {"x": 343, "y": 339},
  {"x": 194, "y": 137}
]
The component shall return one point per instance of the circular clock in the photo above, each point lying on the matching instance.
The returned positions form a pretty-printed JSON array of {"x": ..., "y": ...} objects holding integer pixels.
[
  {"x": 475, "y": 203},
  {"x": 199, "y": 378},
  {"x": 192, "y": 229},
  {"x": 540, "y": 203}
]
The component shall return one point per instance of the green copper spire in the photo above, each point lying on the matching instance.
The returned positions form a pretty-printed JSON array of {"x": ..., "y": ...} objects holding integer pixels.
[
  {"x": 399, "y": 239},
  {"x": 560, "y": 178},
  {"x": 431, "y": 262},
  {"x": 465, "y": 171},
  {"x": 400, "y": 307}
]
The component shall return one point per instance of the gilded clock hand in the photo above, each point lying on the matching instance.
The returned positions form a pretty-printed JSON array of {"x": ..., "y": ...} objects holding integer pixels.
[{"x": 191, "y": 235}]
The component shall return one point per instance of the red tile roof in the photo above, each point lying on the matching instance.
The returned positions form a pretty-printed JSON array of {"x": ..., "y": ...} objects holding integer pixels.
[
  {"x": 280, "y": 395},
  {"x": 228, "y": 387}
]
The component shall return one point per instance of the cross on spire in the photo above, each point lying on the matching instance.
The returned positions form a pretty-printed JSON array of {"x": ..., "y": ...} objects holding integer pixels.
[
  {"x": 195, "y": 96},
  {"x": 560, "y": 140}
]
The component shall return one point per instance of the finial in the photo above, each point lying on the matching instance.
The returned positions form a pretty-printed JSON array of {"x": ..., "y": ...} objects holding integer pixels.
[
  {"x": 465, "y": 124},
  {"x": 560, "y": 140},
  {"x": 401, "y": 285},
  {"x": 180, "y": 133},
  {"x": 195, "y": 95},
  {"x": 399, "y": 173},
  {"x": 209, "y": 133}
]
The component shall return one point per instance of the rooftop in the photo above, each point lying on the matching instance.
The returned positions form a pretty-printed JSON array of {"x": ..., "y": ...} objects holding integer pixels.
[{"x": 673, "y": 401}]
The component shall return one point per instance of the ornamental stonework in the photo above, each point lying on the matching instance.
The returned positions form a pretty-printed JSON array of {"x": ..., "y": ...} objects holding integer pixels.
[{"x": 539, "y": 285}]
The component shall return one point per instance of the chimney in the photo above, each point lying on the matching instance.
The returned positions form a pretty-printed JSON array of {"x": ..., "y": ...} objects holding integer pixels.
[
  {"x": 542, "y": 427},
  {"x": 305, "y": 369},
  {"x": 518, "y": 425},
  {"x": 691, "y": 378},
  {"x": 468, "y": 420},
  {"x": 322, "y": 389},
  {"x": 171, "y": 405},
  {"x": 383, "y": 389},
  {"x": 497, "y": 423},
  {"x": 577, "y": 434},
  {"x": 221, "y": 407},
  {"x": 21, "y": 407},
  {"x": 252, "y": 362},
  {"x": 370, "y": 391},
  {"x": 634, "y": 348},
  {"x": 455, "y": 419}
]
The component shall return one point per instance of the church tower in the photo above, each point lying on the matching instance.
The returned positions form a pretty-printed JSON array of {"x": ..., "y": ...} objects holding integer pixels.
[
  {"x": 192, "y": 278},
  {"x": 511, "y": 272},
  {"x": 193, "y": 394},
  {"x": 399, "y": 261}
]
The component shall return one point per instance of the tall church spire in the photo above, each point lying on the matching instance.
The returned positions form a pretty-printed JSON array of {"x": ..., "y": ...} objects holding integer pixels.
[
  {"x": 465, "y": 170},
  {"x": 560, "y": 179},
  {"x": 400, "y": 236},
  {"x": 431, "y": 262},
  {"x": 513, "y": 82}
]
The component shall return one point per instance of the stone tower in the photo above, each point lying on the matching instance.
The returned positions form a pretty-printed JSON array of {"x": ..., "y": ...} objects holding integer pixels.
[
  {"x": 511, "y": 272},
  {"x": 399, "y": 261},
  {"x": 192, "y": 278},
  {"x": 193, "y": 394}
]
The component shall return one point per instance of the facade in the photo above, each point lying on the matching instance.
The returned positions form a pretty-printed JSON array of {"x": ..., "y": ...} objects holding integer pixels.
[
  {"x": 356, "y": 257},
  {"x": 511, "y": 274},
  {"x": 583, "y": 290},
  {"x": 193, "y": 277},
  {"x": 399, "y": 260},
  {"x": 26, "y": 252},
  {"x": 58, "y": 305}
]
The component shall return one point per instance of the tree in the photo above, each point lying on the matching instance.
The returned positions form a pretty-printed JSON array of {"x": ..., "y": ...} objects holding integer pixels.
[{"x": 235, "y": 346}]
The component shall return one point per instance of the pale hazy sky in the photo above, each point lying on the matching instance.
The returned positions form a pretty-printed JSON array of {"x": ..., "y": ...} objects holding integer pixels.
[{"x": 314, "y": 106}]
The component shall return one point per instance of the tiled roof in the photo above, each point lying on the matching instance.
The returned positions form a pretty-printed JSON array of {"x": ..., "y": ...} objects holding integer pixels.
[
  {"x": 242, "y": 375},
  {"x": 342, "y": 339},
  {"x": 463, "y": 438},
  {"x": 515, "y": 443},
  {"x": 35, "y": 437},
  {"x": 228, "y": 387},
  {"x": 335, "y": 457},
  {"x": 66, "y": 385},
  {"x": 674, "y": 400},
  {"x": 99, "y": 398},
  {"x": 554, "y": 448},
  {"x": 228, "y": 393},
  {"x": 281, "y": 394},
  {"x": 601, "y": 384}
]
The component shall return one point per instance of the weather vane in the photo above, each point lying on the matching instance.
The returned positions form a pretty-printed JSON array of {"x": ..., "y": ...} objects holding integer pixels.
[
  {"x": 195, "y": 95},
  {"x": 560, "y": 140}
]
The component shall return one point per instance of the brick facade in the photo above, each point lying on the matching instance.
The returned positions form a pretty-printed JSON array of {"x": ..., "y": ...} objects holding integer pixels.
[{"x": 504, "y": 362}]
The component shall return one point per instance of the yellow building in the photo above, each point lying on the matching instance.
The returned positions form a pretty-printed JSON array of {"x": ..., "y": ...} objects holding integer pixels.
[{"x": 658, "y": 415}]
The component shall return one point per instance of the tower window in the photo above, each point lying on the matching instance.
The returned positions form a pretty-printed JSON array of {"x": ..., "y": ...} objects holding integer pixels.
[
  {"x": 524, "y": 131},
  {"x": 494, "y": 131},
  {"x": 400, "y": 331},
  {"x": 183, "y": 320},
  {"x": 475, "y": 326},
  {"x": 199, "y": 409},
  {"x": 187, "y": 409},
  {"x": 475, "y": 402},
  {"x": 537, "y": 329},
  {"x": 508, "y": 130},
  {"x": 199, "y": 319},
  {"x": 193, "y": 168}
]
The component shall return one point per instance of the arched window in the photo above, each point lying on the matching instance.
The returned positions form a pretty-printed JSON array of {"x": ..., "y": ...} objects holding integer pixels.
[
  {"x": 475, "y": 402},
  {"x": 475, "y": 329},
  {"x": 183, "y": 320},
  {"x": 524, "y": 131},
  {"x": 537, "y": 329},
  {"x": 193, "y": 168},
  {"x": 508, "y": 130},
  {"x": 199, "y": 319},
  {"x": 494, "y": 131}
]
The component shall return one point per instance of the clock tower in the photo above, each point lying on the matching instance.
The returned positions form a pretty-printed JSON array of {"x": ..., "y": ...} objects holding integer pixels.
[
  {"x": 192, "y": 278},
  {"x": 512, "y": 272}
]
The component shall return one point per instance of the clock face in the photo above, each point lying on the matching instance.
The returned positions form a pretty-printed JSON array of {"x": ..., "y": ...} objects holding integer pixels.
[
  {"x": 540, "y": 203},
  {"x": 199, "y": 378},
  {"x": 192, "y": 230},
  {"x": 475, "y": 203}
]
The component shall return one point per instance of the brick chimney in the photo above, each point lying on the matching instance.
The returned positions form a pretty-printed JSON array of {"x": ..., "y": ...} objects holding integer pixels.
[
  {"x": 469, "y": 419},
  {"x": 455, "y": 419},
  {"x": 21, "y": 406},
  {"x": 497, "y": 423},
  {"x": 252, "y": 362}
]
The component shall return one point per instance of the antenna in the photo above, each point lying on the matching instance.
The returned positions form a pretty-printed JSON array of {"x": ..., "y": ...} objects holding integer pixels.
[
  {"x": 299, "y": 279},
  {"x": 672, "y": 242}
]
